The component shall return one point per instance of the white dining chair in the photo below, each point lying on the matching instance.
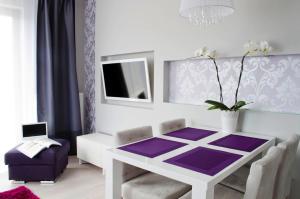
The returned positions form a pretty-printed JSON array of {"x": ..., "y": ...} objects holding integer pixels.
[
  {"x": 172, "y": 125},
  {"x": 260, "y": 183},
  {"x": 141, "y": 184},
  {"x": 130, "y": 136},
  {"x": 238, "y": 179},
  {"x": 284, "y": 175}
]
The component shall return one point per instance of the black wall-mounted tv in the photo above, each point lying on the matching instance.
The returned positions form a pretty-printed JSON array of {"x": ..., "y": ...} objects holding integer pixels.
[{"x": 126, "y": 80}]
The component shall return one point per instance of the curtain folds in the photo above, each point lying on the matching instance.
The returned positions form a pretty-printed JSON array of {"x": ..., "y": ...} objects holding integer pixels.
[{"x": 57, "y": 86}]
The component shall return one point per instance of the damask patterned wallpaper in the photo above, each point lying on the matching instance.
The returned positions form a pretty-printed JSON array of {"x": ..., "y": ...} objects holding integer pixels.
[
  {"x": 271, "y": 83},
  {"x": 89, "y": 67}
]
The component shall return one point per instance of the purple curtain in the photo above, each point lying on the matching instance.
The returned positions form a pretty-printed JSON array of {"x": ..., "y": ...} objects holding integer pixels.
[{"x": 57, "y": 86}]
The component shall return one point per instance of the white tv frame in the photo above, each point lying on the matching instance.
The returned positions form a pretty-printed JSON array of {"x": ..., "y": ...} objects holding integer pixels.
[
  {"x": 38, "y": 136},
  {"x": 123, "y": 98}
]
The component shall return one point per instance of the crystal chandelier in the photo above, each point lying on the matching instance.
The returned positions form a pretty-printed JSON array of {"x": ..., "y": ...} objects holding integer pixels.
[{"x": 206, "y": 11}]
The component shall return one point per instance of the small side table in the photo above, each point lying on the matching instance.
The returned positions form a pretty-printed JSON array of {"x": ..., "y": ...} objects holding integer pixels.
[{"x": 91, "y": 148}]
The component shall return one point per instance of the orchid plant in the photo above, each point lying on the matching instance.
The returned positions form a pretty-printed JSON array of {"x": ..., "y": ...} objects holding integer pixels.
[{"x": 251, "y": 48}]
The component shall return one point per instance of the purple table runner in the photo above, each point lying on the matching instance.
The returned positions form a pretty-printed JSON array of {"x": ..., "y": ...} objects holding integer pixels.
[
  {"x": 152, "y": 147},
  {"x": 204, "y": 160},
  {"x": 191, "y": 133},
  {"x": 238, "y": 142}
]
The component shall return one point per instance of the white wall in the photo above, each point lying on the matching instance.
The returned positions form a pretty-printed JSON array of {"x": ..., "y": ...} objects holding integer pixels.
[{"x": 130, "y": 26}]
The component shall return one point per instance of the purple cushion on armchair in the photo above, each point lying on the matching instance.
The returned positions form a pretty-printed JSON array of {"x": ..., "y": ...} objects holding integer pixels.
[{"x": 46, "y": 166}]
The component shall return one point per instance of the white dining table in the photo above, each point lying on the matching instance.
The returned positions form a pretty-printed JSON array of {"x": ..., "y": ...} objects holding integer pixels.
[{"x": 202, "y": 184}]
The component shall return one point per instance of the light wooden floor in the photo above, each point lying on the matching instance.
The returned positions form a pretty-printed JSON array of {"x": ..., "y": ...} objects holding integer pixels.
[{"x": 77, "y": 182}]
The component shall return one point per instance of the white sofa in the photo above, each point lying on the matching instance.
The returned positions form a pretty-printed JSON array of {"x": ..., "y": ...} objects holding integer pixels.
[{"x": 91, "y": 148}]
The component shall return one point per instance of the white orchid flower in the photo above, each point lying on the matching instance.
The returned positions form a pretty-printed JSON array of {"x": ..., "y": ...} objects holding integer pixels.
[
  {"x": 265, "y": 47},
  {"x": 200, "y": 52},
  {"x": 211, "y": 54},
  {"x": 207, "y": 53},
  {"x": 204, "y": 50},
  {"x": 251, "y": 47}
]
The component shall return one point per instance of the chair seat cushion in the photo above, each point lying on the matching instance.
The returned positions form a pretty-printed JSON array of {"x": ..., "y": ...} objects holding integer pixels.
[
  {"x": 46, "y": 157},
  {"x": 221, "y": 192},
  {"x": 153, "y": 186},
  {"x": 238, "y": 179}
]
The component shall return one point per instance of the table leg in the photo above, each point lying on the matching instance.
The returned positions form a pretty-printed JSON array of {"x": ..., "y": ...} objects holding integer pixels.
[
  {"x": 202, "y": 192},
  {"x": 113, "y": 179}
]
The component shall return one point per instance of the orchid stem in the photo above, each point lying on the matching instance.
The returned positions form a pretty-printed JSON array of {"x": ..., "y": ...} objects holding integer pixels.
[
  {"x": 240, "y": 77},
  {"x": 218, "y": 77}
]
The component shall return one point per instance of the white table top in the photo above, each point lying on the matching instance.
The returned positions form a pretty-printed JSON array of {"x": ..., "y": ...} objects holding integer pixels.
[{"x": 157, "y": 165}]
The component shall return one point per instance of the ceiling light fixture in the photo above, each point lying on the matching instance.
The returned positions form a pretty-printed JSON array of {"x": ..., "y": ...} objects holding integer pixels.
[{"x": 206, "y": 11}]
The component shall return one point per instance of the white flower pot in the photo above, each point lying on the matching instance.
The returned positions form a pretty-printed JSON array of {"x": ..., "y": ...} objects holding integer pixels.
[{"x": 229, "y": 121}]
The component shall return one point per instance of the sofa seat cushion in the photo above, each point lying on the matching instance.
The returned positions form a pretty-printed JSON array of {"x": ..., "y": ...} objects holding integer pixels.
[
  {"x": 46, "y": 157},
  {"x": 153, "y": 186}
]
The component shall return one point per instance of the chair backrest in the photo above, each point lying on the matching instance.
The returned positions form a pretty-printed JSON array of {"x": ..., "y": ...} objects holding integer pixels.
[
  {"x": 260, "y": 182},
  {"x": 126, "y": 137},
  {"x": 133, "y": 135},
  {"x": 284, "y": 175},
  {"x": 172, "y": 125}
]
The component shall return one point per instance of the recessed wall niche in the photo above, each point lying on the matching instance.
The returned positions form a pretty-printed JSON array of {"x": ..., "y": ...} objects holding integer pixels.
[
  {"x": 271, "y": 83},
  {"x": 150, "y": 60}
]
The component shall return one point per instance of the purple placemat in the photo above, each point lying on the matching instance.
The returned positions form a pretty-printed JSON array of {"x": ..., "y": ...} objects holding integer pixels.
[
  {"x": 152, "y": 147},
  {"x": 191, "y": 133},
  {"x": 242, "y": 143},
  {"x": 204, "y": 160}
]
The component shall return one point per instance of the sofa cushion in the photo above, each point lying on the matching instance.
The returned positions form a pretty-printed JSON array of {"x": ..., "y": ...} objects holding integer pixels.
[{"x": 45, "y": 157}]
